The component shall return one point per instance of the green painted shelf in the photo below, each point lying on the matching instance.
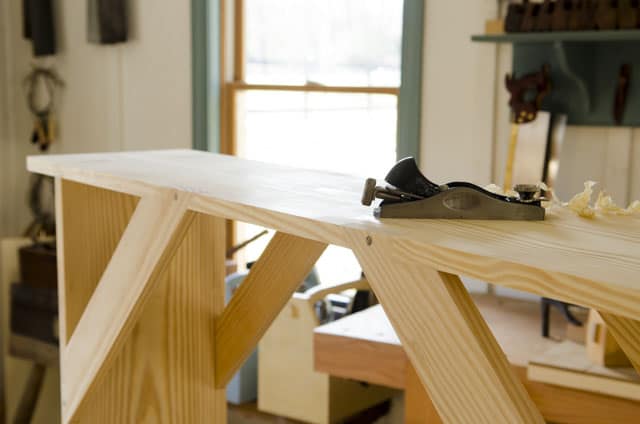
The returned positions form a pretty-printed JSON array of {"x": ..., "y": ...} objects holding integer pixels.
[{"x": 564, "y": 36}]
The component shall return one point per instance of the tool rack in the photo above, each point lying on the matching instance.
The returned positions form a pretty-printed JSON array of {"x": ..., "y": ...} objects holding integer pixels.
[{"x": 584, "y": 70}]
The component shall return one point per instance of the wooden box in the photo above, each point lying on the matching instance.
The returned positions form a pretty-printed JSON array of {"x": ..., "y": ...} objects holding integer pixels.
[{"x": 287, "y": 383}]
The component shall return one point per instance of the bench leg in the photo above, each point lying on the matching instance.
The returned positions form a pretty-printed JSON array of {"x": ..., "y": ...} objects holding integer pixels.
[
  {"x": 141, "y": 284},
  {"x": 448, "y": 342},
  {"x": 626, "y": 331}
]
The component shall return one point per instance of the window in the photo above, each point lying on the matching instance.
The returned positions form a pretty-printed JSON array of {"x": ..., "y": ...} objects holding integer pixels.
[{"x": 315, "y": 85}]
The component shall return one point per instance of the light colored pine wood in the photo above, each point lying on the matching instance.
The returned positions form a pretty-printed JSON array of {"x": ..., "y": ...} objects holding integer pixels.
[
  {"x": 288, "y": 384},
  {"x": 588, "y": 262},
  {"x": 156, "y": 228},
  {"x": 99, "y": 218},
  {"x": 566, "y": 364},
  {"x": 164, "y": 372},
  {"x": 365, "y": 347},
  {"x": 570, "y": 406},
  {"x": 602, "y": 347},
  {"x": 150, "y": 378},
  {"x": 627, "y": 333},
  {"x": 281, "y": 269},
  {"x": 362, "y": 346},
  {"x": 446, "y": 338},
  {"x": 418, "y": 407}
]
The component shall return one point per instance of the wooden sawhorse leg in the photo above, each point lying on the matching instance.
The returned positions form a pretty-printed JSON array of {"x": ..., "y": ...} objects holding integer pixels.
[
  {"x": 448, "y": 342},
  {"x": 144, "y": 333},
  {"x": 141, "y": 285}
]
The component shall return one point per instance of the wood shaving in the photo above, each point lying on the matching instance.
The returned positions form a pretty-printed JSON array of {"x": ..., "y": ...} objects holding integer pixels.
[
  {"x": 580, "y": 202},
  {"x": 606, "y": 206}
]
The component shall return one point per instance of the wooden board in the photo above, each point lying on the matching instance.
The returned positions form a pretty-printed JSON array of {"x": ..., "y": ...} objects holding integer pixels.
[
  {"x": 170, "y": 335},
  {"x": 362, "y": 346},
  {"x": 281, "y": 269},
  {"x": 516, "y": 325},
  {"x": 589, "y": 262},
  {"x": 567, "y": 365},
  {"x": 448, "y": 342}
]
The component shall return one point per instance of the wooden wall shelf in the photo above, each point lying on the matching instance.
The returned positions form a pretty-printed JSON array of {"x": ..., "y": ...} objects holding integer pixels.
[
  {"x": 584, "y": 71},
  {"x": 550, "y": 37}
]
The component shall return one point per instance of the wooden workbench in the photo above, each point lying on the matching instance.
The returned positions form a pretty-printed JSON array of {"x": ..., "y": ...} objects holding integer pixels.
[
  {"x": 144, "y": 332},
  {"x": 365, "y": 347}
]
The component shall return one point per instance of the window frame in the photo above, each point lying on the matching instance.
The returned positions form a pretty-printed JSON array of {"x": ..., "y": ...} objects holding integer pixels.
[{"x": 233, "y": 86}]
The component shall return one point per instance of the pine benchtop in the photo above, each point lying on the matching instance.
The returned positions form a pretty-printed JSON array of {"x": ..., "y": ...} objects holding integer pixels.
[{"x": 593, "y": 262}]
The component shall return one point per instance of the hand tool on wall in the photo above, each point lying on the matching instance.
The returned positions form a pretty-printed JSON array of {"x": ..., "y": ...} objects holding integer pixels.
[
  {"x": 515, "y": 16},
  {"x": 627, "y": 14},
  {"x": 531, "y": 15},
  {"x": 527, "y": 93},
  {"x": 561, "y": 13},
  {"x": 107, "y": 21},
  {"x": 409, "y": 194},
  {"x": 544, "y": 17},
  {"x": 622, "y": 90},
  {"x": 605, "y": 15},
  {"x": 38, "y": 26},
  {"x": 44, "y": 127}
]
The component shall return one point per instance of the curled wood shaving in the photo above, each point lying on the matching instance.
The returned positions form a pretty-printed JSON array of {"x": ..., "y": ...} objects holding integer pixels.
[
  {"x": 607, "y": 206},
  {"x": 634, "y": 207},
  {"x": 580, "y": 202}
]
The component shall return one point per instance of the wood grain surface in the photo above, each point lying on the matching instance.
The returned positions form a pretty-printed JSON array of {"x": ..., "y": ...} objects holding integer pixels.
[
  {"x": 152, "y": 361},
  {"x": 365, "y": 347},
  {"x": 164, "y": 372},
  {"x": 281, "y": 269},
  {"x": 155, "y": 231},
  {"x": 448, "y": 342},
  {"x": 590, "y": 262},
  {"x": 96, "y": 219},
  {"x": 627, "y": 333}
]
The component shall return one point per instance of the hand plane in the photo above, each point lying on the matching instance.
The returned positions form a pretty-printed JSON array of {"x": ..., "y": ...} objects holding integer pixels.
[{"x": 409, "y": 194}]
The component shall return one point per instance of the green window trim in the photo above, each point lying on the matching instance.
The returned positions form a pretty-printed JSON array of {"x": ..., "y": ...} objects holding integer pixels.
[
  {"x": 410, "y": 98},
  {"x": 206, "y": 75}
]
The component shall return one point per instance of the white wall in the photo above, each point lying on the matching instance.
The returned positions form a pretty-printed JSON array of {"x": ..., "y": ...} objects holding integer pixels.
[
  {"x": 458, "y": 93},
  {"x": 135, "y": 95}
]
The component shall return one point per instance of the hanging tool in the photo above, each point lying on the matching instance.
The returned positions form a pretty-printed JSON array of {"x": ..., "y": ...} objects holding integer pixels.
[
  {"x": 622, "y": 90},
  {"x": 527, "y": 93},
  {"x": 44, "y": 122}
]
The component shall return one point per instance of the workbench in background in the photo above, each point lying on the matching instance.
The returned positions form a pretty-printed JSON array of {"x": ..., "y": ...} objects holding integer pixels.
[{"x": 365, "y": 347}]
